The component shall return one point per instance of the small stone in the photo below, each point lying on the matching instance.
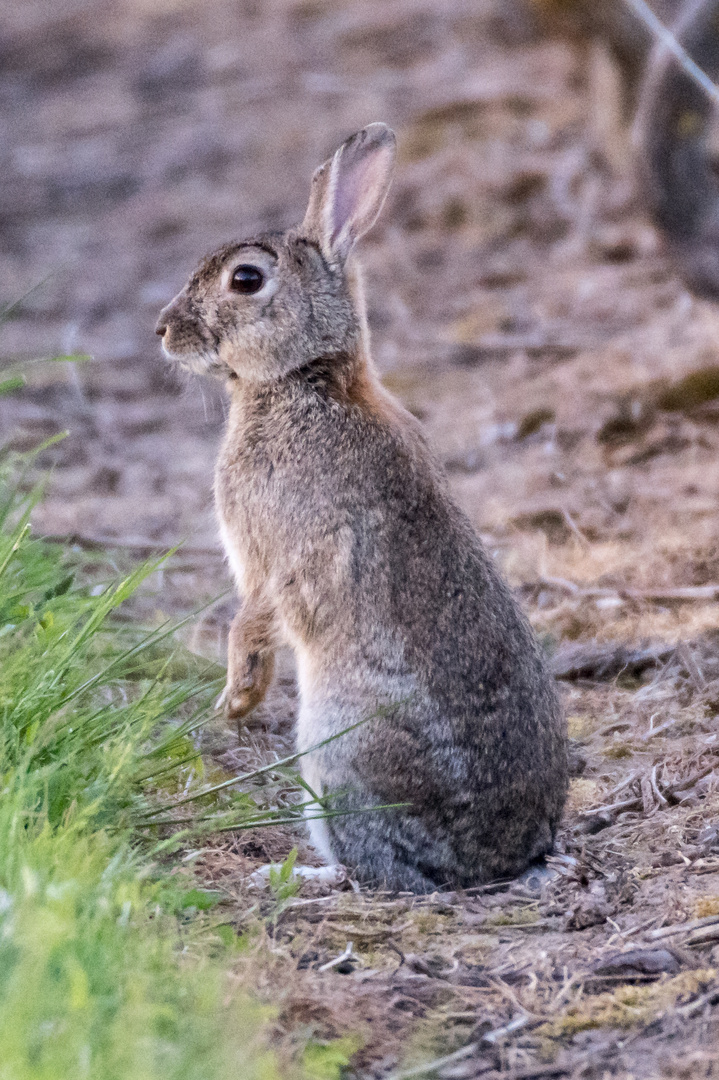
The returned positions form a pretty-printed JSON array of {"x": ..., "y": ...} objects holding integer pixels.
[{"x": 638, "y": 962}]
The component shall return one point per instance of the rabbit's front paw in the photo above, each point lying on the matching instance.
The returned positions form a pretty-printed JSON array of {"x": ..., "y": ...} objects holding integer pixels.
[
  {"x": 246, "y": 685},
  {"x": 236, "y": 702}
]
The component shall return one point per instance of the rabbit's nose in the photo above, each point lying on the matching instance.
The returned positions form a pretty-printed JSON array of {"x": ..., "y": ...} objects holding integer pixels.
[{"x": 161, "y": 329}]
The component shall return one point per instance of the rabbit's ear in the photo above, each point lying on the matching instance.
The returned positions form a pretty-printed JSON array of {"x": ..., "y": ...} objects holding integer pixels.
[{"x": 348, "y": 190}]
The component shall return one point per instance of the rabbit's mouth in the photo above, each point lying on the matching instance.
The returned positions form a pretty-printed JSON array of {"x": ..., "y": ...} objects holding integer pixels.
[
  {"x": 198, "y": 362},
  {"x": 186, "y": 338},
  {"x": 190, "y": 348}
]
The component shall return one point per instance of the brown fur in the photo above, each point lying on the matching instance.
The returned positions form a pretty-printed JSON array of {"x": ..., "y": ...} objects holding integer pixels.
[{"x": 347, "y": 545}]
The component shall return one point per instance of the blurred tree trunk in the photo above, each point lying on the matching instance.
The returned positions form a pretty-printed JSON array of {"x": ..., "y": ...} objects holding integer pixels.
[
  {"x": 676, "y": 145},
  {"x": 610, "y": 20}
]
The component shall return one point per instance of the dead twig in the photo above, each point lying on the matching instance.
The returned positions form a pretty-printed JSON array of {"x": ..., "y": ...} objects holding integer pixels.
[
  {"x": 682, "y": 928},
  {"x": 655, "y": 788},
  {"x": 705, "y": 936},
  {"x": 529, "y": 1072},
  {"x": 536, "y": 343},
  {"x": 681, "y": 788},
  {"x": 314, "y": 900},
  {"x": 640, "y": 926},
  {"x": 348, "y": 954},
  {"x": 438, "y": 1063},
  {"x": 492, "y": 1037},
  {"x": 648, "y": 801},
  {"x": 704, "y": 866},
  {"x": 395, "y": 948},
  {"x": 489, "y": 888},
  {"x": 695, "y": 673},
  {"x": 515, "y": 1024},
  {"x": 506, "y": 991},
  {"x": 575, "y": 528},
  {"x": 626, "y": 783},
  {"x": 650, "y": 795},
  {"x": 371, "y": 932},
  {"x": 603, "y": 663},
  {"x": 570, "y": 981},
  {"x": 659, "y": 730},
  {"x": 677, "y": 593},
  {"x": 710, "y": 998},
  {"x": 614, "y": 808}
]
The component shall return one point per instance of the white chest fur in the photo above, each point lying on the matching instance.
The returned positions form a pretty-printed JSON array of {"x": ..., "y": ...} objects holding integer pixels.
[{"x": 233, "y": 556}]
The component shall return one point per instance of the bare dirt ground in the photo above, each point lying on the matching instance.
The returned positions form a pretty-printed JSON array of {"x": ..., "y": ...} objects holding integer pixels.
[{"x": 521, "y": 306}]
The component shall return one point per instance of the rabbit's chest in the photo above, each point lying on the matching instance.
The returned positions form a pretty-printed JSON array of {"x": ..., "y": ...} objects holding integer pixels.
[
  {"x": 243, "y": 524},
  {"x": 234, "y": 553},
  {"x": 294, "y": 542},
  {"x": 257, "y": 512}
]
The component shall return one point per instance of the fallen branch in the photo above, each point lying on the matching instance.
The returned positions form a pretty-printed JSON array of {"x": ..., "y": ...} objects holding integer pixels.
[
  {"x": 536, "y": 343},
  {"x": 372, "y": 932},
  {"x": 704, "y": 866},
  {"x": 655, "y": 788},
  {"x": 492, "y": 1037},
  {"x": 682, "y": 788},
  {"x": 604, "y": 662},
  {"x": 649, "y": 797}
]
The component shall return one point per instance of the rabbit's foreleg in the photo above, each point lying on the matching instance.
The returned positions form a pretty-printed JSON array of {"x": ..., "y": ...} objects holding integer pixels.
[{"x": 250, "y": 658}]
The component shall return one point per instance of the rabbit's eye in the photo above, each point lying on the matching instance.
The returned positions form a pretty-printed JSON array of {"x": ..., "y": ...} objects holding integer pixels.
[{"x": 247, "y": 279}]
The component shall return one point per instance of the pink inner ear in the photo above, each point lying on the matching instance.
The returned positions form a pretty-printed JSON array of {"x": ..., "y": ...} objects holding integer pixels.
[{"x": 359, "y": 186}]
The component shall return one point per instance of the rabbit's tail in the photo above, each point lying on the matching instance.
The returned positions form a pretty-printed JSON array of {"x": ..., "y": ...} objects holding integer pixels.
[{"x": 543, "y": 842}]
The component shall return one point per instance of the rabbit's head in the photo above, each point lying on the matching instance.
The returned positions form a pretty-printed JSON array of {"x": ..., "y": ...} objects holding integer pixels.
[{"x": 268, "y": 305}]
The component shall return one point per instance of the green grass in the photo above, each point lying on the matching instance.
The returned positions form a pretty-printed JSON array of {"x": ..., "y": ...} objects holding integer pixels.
[{"x": 104, "y": 970}]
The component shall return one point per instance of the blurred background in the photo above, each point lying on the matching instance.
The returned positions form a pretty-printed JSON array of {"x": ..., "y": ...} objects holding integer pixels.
[{"x": 522, "y": 301}]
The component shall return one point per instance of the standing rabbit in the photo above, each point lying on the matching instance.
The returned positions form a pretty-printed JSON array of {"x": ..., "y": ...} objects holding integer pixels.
[{"x": 347, "y": 545}]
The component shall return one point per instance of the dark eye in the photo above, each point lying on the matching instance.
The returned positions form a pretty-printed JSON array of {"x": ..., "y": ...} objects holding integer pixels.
[{"x": 247, "y": 279}]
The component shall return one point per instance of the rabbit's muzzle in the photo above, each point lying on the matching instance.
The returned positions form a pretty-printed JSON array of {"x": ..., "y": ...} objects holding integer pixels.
[{"x": 186, "y": 338}]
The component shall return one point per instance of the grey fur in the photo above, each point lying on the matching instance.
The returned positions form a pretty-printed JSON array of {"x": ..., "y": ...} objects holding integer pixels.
[{"x": 347, "y": 545}]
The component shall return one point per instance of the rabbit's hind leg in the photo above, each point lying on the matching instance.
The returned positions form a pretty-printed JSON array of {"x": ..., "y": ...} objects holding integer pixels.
[{"x": 387, "y": 849}]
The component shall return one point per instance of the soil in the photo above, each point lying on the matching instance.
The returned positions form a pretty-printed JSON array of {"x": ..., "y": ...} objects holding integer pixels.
[{"x": 522, "y": 307}]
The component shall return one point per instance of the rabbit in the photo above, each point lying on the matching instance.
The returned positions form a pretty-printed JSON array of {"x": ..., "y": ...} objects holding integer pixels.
[{"x": 346, "y": 544}]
